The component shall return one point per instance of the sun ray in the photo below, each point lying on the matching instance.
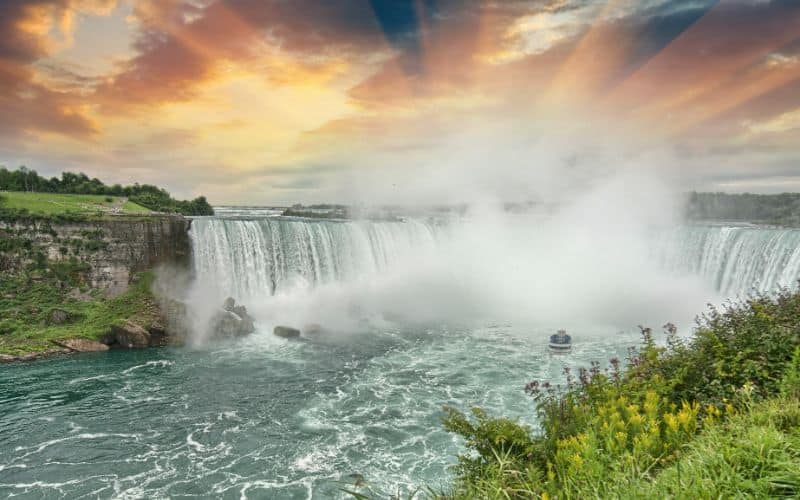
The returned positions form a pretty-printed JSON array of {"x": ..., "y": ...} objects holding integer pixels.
[
  {"x": 698, "y": 61},
  {"x": 599, "y": 53}
]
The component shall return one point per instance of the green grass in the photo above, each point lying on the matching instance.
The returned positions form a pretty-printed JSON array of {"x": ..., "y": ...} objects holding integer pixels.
[
  {"x": 130, "y": 207},
  {"x": 716, "y": 416},
  {"x": 53, "y": 204},
  {"x": 27, "y": 300},
  {"x": 755, "y": 454}
]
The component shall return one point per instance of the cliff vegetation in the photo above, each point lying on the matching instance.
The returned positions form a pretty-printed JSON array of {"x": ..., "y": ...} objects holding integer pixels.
[
  {"x": 84, "y": 279},
  {"x": 51, "y": 302}
]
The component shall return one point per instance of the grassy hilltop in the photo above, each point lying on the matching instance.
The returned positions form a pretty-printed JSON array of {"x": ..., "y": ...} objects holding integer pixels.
[
  {"x": 79, "y": 204},
  {"x": 108, "y": 199}
]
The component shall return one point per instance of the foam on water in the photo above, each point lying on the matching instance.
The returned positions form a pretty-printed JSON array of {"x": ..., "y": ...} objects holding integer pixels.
[{"x": 288, "y": 420}]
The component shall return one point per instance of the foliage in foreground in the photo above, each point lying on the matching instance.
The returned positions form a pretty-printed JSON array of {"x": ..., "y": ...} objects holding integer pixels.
[{"x": 716, "y": 415}]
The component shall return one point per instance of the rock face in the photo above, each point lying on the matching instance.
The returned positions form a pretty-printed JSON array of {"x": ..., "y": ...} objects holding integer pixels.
[
  {"x": 105, "y": 255},
  {"x": 232, "y": 321},
  {"x": 115, "y": 248},
  {"x": 175, "y": 322},
  {"x": 81, "y": 345},
  {"x": 128, "y": 336},
  {"x": 286, "y": 332}
]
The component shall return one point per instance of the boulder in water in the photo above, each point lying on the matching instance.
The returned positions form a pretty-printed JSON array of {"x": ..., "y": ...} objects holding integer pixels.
[
  {"x": 286, "y": 332},
  {"x": 232, "y": 321}
]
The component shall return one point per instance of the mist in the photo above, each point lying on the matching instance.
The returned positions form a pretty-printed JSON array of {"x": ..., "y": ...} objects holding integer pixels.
[
  {"x": 589, "y": 265},
  {"x": 583, "y": 258}
]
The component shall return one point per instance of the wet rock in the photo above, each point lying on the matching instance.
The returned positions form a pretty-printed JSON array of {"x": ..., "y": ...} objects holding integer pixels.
[
  {"x": 56, "y": 352},
  {"x": 232, "y": 321},
  {"x": 28, "y": 357},
  {"x": 128, "y": 336},
  {"x": 7, "y": 358},
  {"x": 158, "y": 334},
  {"x": 80, "y": 345},
  {"x": 286, "y": 332},
  {"x": 176, "y": 321}
]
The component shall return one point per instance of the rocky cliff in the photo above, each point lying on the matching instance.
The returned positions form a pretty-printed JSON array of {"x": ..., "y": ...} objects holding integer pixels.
[
  {"x": 113, "y": 249},
  {"x": 77, "y": 285}
]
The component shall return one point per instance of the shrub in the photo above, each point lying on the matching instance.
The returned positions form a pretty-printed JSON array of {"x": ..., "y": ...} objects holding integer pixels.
[{"x": 629, "y": 424}]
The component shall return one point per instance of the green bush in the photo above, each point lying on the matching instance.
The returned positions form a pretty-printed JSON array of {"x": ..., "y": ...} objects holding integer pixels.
[
  {"x": 146, "y": 195},
  {"x": 630, "y": 424}
]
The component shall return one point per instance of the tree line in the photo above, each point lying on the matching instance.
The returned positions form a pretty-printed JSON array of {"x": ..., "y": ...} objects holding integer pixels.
[
  {"x": 781, "y": 208},
  {"x": 146, "y": 195}
]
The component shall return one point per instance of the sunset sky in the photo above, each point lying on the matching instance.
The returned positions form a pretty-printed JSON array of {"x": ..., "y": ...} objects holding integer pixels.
[{"x": 271, "y": 102}]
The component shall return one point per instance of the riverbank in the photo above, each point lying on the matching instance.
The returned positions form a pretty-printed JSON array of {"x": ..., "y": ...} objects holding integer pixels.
[
  {"x": 715, "y": 416},
  {"x": 41, "y": 320}
]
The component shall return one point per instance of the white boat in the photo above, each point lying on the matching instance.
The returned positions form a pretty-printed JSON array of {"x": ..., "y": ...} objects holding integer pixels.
[{"x": 560, "y": 342}]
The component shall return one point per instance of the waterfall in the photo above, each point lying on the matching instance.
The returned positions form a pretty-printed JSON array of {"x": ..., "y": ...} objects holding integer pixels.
[
  {"x": 268, "y": 255},
  {"x": 246, "y": 258},
  {"x": 736, "y": 260}
]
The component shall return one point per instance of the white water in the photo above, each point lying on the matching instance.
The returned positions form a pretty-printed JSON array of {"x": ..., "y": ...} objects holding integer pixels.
[
  {"x": 735, "y": 260},
  {"x": 247, "y": 258},
  {"x": 521, "y": 270}
]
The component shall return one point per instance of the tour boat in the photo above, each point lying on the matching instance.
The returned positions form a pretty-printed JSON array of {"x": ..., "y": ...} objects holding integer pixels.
[{"x": 560, "y": 342}]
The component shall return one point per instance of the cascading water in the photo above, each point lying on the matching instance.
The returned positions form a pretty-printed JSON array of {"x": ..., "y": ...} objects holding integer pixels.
[
  {"x": 269, "y": 255},
  {"x": 247, "y": 258},
  {"x": 736, "y": 260}
]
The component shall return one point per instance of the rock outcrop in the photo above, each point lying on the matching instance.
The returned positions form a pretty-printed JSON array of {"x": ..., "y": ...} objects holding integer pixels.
[
  {"x": 93, "y": 260},
  {"x": 114, "y": 248},
  {"x": 231, "y": 321},
  {"x": 173, "y": 326},
  {"x": 8, "y": 358},
  {"x": 59, "y": 317},
  {"x": 81, "y": 345},
  {"x": 128, "y": 336},
  {"x": 286, "y": 332}
]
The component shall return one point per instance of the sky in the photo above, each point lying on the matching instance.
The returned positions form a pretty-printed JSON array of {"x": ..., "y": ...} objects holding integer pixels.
[{"x": 283, "y": 101}]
